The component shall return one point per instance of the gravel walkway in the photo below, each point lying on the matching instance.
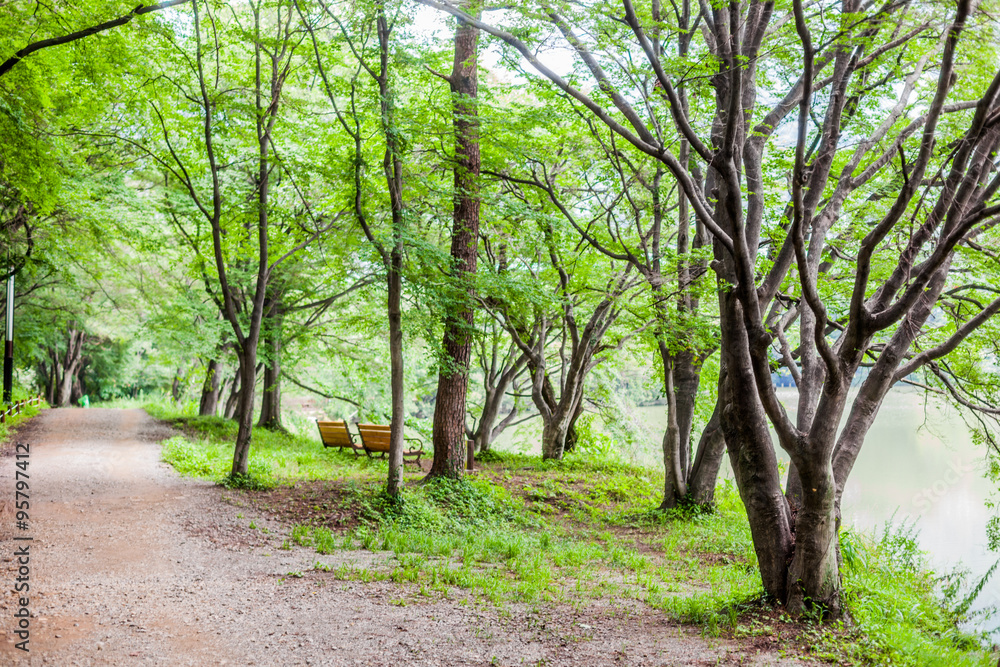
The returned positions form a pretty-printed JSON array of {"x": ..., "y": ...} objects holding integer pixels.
[{"x": 131, "y": 564}]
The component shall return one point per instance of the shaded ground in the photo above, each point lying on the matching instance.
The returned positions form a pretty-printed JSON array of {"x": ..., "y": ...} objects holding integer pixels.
[{"x": 132, "y": 565}]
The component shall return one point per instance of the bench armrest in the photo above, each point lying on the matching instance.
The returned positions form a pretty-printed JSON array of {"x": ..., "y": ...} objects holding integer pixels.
[{"x": 416, "y": 440}]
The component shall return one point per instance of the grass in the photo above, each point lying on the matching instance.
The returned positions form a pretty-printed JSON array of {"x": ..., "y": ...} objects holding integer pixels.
[
  {"x": 579, "y": 530},
  {"x": 27, "y": 412}
]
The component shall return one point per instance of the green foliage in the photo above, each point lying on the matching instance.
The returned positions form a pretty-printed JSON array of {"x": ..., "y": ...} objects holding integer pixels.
[
  {"x": 26, "y": 413},
  {"x": 906, "y": 614}
]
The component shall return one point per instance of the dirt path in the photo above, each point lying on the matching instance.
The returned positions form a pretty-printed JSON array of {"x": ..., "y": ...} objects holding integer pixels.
[{"x": 133, "y": 565}]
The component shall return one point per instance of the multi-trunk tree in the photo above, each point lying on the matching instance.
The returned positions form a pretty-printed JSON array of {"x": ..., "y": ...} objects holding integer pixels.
[{"x": 857, "y": 139}]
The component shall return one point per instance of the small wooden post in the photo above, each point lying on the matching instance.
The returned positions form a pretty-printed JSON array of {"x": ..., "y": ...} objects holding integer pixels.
[{"x": 470, "y": 461}]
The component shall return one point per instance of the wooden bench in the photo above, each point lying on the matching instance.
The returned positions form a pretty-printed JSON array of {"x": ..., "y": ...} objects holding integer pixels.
[
  {"x": 336, "y": 434},
  {"x": 375, "y": 440}
]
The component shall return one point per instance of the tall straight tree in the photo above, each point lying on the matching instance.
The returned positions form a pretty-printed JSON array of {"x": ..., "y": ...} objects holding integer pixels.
[
  {"x": 390, "y": 251},
  {"x": 453, "y": 378}
]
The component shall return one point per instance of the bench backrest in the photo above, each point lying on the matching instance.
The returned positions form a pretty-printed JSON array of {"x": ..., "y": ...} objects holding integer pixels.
[
  {"x": 335, "y": 434},
  {"x": 375, "y": 437}
]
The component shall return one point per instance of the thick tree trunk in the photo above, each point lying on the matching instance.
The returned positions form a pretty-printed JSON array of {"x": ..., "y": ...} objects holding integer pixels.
[
  {"x": 553, "y": 438},
  {"x": 453, "y": 378},
  {"x": 814, "y": 574},
  {"x": 65, "y": 390},
  {"x": 209, "y": 403},
  {"x": 708, "y": 460},
  {"x": 270, "y": 404},
  {"x": 71, "y": 366},
  {"x": 751, "y": 453}
]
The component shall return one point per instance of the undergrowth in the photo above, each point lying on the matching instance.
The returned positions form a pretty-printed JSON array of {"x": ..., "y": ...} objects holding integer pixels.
[
  {"x": 526, "y": 530},
  {"x": 27, "y": 412}
]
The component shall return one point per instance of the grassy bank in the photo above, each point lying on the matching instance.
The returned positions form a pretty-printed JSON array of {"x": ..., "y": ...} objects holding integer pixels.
[
  {"x": 576, "y": 532},
  {"x": 27, "y": 412}
]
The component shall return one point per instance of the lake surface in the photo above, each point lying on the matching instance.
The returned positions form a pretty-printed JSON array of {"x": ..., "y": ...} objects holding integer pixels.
[{"x": 918, "y": 465}]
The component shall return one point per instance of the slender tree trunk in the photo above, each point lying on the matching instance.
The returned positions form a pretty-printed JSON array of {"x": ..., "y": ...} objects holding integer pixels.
[
  {"x": 687, "y": 378},
  {"x": 270, "y": 404},
  {"x": 267, "y": 95},
  {"x": 175, "y": 386},
  {"x": 488, "y": 429},
  {"x": 394, "y": 484},
  {"x": 229, "y": 411},
  {"x": 482, "y": 437},
  {"x": 453, "y": 378},
  {"x": 209, "y": 403},
  {"x": 675, "y": 477},
  {"x": 392, "y": 168},
  {"x": 244, "y": 407}
]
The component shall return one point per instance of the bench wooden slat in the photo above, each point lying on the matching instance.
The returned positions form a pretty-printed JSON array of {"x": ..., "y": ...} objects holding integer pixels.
[
  {"x": 336, "y": 434},
  {"x": 376, "y": 438}
]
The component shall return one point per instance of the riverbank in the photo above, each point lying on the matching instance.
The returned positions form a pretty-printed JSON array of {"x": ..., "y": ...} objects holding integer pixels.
[{"x": 576, "y": 533}]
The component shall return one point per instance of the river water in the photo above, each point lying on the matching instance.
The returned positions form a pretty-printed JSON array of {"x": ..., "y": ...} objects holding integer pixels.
[{"x": 918, "y": 465}]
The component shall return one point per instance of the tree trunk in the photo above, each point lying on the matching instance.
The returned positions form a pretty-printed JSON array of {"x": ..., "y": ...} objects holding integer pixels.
[
  {"x": 751, "y": 453},
  {"x": 270, "y": 404},
  {"x": 175, "y": 386},
  {"x": 675, "y": 477},
  {"x": 392, "y": 168},
  {"x": 687, "y": 378},
  {"x": 234, "y": 395},
  {"x": 495, "y": 389},
  {"x": 572, "y": 437},
  {"x": 453, "y": 378},
  {"x": 209, "y": 403},
  {"x": 394, "y": 484},
  {"x": 77, "y": 392},
  {"x": 553, "y": 439},
  {"x": 45, "y": 379},
  {"x": 708, "y": 460},
  {"x": 244, "y": 407},
  {"x": 482, "y": 437},
  {"x": 71, "y": 366},
  {"x": 686, "y": 481},
  {"x": 814, "y": 574}
]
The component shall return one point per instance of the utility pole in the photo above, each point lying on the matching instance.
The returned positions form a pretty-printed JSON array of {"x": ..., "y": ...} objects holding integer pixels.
[{"x": 8, "y": 350}]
